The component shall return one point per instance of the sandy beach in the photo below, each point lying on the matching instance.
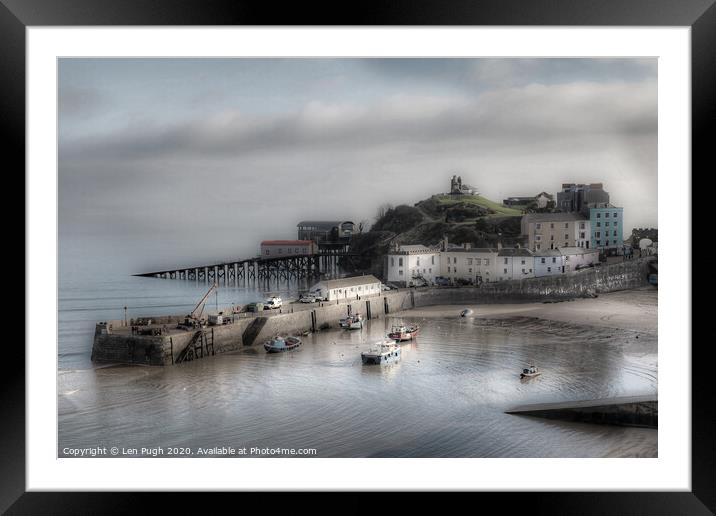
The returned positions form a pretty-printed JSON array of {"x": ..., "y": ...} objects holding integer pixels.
[{"x": 634, "y": 310}]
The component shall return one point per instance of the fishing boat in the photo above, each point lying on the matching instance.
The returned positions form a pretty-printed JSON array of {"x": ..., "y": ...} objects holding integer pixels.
[
  {"x": 466, "y": 313},
  {"x": 382, "y": 352},
  {"x": 530, "y": 372},
  {"x": 279, "y": 344},
  {"x": 402, "y": 332},
  {"x": 352, "y": 322}
]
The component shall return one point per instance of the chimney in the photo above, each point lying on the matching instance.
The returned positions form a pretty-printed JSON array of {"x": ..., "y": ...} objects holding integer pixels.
[{"x": 445, "y": 243}]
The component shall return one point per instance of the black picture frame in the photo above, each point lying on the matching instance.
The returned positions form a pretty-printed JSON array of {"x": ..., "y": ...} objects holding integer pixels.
[{"x": 700, "y": 15}]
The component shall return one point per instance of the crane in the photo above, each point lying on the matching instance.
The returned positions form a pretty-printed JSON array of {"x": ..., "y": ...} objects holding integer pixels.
[{"x": 199, "y": 309}]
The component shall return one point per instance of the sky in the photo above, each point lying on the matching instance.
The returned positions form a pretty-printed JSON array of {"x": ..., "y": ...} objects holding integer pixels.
[{"x": 174, "y": 162}]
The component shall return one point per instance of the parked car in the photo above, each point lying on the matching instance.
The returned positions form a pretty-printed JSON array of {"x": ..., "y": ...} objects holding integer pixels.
[
  {"x": 442, "y": 281},
  {"x": 255, "y": 307},
  {"x": 273, "y": 302},
  {"x": 317, "y": 296},
  {"x": 307, "y": 299},
  {"x": 384, "y": 287}
]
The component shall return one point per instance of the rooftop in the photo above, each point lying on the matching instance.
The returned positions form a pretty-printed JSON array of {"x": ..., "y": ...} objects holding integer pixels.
[
  {"x": 577, "y": 250},
  {"x": 517, "y": 251},
  {"x": 323, "y": 224},
  {"x": 554, "y": 217},
  {"x": 287, "y": 242},
  {"x": 348, "y": 282}
]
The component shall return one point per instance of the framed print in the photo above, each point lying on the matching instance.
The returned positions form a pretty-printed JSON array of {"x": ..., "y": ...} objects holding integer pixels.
[{"x": 415, "y": 252}]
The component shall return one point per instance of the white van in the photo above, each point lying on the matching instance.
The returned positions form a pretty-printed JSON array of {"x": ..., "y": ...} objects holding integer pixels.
[{"x": 273, "y": 302}]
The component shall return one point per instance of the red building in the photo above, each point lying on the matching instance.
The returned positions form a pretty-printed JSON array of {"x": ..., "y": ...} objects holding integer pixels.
[{"x": 274, "y": 248}]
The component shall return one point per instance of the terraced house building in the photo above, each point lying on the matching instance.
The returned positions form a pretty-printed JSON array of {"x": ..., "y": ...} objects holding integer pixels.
[
  {"x": 552, "y": 230},
  {"x": 607, "y": 227}
]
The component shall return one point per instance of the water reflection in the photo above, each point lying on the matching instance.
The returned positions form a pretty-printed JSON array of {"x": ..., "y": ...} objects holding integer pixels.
[{"x": 445, "y": 397}]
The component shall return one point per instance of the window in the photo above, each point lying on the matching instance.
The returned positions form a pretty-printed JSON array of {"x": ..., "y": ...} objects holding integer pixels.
[
  {"x": 566, "y": 237},
  {"x": 599, "y": 242},
  {"x": 430, "y": 270},
  {"x": 581, "y": 235},
  {"x": 523, "y": 262},
  {"x": 418, "y": 264},
  {"x": 599, "y": 215},
  {"x": 448, "y": 268},
  {"x": 606, "y": 224},
  {"x": 470, "y": 270},
  {"x": 554, "y": 260},
  {"x": 432, "y": 260},
  {"x": 505, "y": 271},
  {"x": 280, "y": 251},
  {"x": 469, "y": 261},
  {"x": 551, "y": 226},
  {"x": 615, "y": 214},
  {"x": 392, "y": 262},
  {"x": 599, "y": 224},
  {"x": 524, "y": 271},
  {"x": 598, "y": 234},
  {"x": 400, "y": 262},
  {"x": 615, "y": 233},
  {"x": 538, "y": 238},
  {"x": 539, "y": 247},
  {"x": 538, "y": 226},
  {"x": 606, "y": 215},
  {"x": 296, "y": 250},
  {"x": 505, "y": 261},
  {"x": 581, "y": 225},
  {"x": 487, "y": 262},
  {"x": 266, "y": 252},
  {"x": 551, "y": 237},
  {"x": 549, "y": 269},
  {"x": 566, "y": 225},
  {"x": 454, "y": 260},
  {"x": 542, "y": 260},
  {"x": 400, "y": 272}
]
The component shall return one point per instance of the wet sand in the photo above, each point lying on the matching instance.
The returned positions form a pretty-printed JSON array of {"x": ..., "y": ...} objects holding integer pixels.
[{"x": 633, "y": 310}]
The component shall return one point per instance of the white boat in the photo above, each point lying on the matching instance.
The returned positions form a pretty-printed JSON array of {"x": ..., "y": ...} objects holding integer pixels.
[
  {"x": 530, "y": 372},
  {"x": 466, "y": 313},
  {"x": 352, "y": 322},
  {"x": 382, "y": 352},
  {"x": 279, "y": 344}
]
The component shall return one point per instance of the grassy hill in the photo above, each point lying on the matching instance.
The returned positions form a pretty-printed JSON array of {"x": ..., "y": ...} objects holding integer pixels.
[{"x": 465, "y": 219}]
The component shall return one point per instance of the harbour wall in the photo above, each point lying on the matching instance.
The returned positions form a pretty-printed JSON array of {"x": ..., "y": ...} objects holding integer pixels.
[
  {"x": 640, "y": 411},
  {"x": 121, "y": 347}
]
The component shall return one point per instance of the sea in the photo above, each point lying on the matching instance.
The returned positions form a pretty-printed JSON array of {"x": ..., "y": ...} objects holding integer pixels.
[{"x": 445, "y": 397}]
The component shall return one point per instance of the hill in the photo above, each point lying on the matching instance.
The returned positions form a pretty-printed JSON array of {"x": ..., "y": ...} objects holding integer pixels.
[{"x": 471, "y": 219}]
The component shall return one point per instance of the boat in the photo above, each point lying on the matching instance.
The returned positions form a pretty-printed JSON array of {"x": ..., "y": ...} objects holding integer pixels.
[
  {"x": 352, "y": 322},
  {"x": 382, "y": 352},
  {"x": 279, "y": 344},
  {"x": 466, "y": 313},
  {"x": 402, "y": 332},
  {"x": 530, "y": 372}
]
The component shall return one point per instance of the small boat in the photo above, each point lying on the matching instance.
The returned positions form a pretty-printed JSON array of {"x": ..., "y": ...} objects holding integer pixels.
[
  {"x": 352, "y": 322},
  {"x": 530, "y": 372},
  {"x": 382, "y": 352},
  {"x": 402, "y": 332},
  {"x": 466, "y": 313},
  {"x": 279, "y": 344}
]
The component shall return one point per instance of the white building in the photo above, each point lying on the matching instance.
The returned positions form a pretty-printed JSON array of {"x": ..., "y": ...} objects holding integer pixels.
[
  {"x": 411, "y": 264},
  {"x": 347, "y": 288},
  {"x": 512, "y": 264},
  {"x": 548, "y": 262},
  {"x": 473, "y": 265},
  {"x": 582, "y": 233}
]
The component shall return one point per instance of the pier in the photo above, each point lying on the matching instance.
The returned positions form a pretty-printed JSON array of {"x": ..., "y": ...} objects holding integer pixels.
[{"x": 281, "y": 268}]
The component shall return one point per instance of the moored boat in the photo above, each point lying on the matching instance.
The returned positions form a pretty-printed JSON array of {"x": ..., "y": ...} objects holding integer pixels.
[
  {"x": 402, "y": 332},
  {"x": 530, "y": 372},
  {"x": 466, "y": 313},
  {"x": 352, "y": 322},
  {"x": 382, "y": 352},
  {"x": 279, "y": 344}
]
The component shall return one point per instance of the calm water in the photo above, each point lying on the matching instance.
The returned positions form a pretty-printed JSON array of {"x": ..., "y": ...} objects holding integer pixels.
[{"x": 445, "y": 398}]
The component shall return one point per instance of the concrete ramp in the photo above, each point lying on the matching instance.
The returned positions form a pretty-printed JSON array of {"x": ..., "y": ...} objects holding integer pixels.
[
  {"x": 253, "y": 330},
  {"x": 642, "y": 411}
]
